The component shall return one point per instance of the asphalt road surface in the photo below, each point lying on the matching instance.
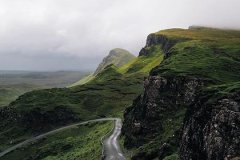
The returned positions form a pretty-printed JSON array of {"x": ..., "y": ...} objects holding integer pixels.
[{"x": 111, "y": 148}]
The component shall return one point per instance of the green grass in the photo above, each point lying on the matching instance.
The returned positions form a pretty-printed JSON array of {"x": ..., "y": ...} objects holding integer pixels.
[
  {"x": 106, "y": 95},
  {"x": 143, "y": 64},
  {"x": 82, "y": 81},
  {"x": 13, "y": 135},
  {"x": 172, "y": 157},
  {"x": 82, "y": 142},
  {"x": 16, "y": 83},
  {"x": 117, "y": 57},
  {"x": 203, "y": 33},
  {"x": 207, "y": 53},
  {"x": 171, "y": 123}
]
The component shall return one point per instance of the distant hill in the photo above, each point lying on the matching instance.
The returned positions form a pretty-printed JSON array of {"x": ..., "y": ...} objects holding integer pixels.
[
  {"x": 15, "y": 83},
  {"x": 118, "y": 57}
]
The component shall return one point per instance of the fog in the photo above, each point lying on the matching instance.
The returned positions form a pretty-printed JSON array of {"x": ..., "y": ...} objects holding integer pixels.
[{"x": 77, "y": 34}]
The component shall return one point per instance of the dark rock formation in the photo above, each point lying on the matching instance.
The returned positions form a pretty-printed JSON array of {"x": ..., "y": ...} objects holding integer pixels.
[
  {"x": 212, "y": 130},
  {"x": 153, "y": 39},
  {"x": 163, "y": 100}
]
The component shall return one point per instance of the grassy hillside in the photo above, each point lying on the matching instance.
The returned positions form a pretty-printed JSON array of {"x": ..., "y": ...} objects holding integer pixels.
[
  {"x": 203, "y": 52},
  {"x": 207, "y": 53},
  {"x": 143, "y": 64},
  {"x": 82, "y": 81},
  {"x": 106, "y": 95},
  {"x": 204, "y": 55},
  {"x": 15, "y": 83},
  {"x": 118, "y": 57},
  {"x": 82, "y": 142},
  {"x": 9, "y": 93}
]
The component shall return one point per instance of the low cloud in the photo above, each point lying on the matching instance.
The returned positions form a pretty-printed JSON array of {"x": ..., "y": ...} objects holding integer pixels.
[{"x": 73, "y": 34}]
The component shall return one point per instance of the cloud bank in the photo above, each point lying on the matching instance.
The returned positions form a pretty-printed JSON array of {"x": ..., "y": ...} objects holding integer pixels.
[{"x": 77, "y": 34}]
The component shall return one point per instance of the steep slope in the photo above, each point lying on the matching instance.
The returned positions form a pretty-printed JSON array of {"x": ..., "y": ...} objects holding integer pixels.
[
  {"x": 107, "y": 94},
  {"x": 190, "y": 105},
  {"x": 117, "y": 56},
  {"x": 81, "y": 142}
]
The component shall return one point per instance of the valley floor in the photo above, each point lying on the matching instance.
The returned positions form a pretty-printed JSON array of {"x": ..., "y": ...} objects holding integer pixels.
[{"x": 70, "y": 142}]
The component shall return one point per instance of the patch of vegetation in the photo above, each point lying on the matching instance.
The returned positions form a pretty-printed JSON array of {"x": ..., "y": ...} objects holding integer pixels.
[
  {"x": 206, "y": 52},
  {"x": 82, "y": 142},
  {"x": 202, "y": 33},
  {"x": 9, "y": 94},
  {"x": 16, "y": 83},
  {"x": 83, "y": 80},
  {"x": 172, "y": 157},
  {"x": 171, "y": 124},
  {"x": 216, "y": 92},
  {"x": 209, "y": 54},
  {"x": 143, "y": 64},
  {"x": 117, "y": 57},
  {"x": 106, "y": 95}
]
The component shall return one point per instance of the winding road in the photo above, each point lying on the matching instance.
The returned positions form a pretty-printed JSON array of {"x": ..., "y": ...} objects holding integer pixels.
[{"x": 111, "y": 148}]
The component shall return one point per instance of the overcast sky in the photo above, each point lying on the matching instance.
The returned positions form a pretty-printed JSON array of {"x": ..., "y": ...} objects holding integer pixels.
[{"x": 77, "y": 34}]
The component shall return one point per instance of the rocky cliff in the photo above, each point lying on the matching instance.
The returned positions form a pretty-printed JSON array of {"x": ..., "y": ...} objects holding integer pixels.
[
  {"x": 165, "y": 43},
  {"x": 212, "y": 128},
  {"x": 188, "y": 110},
  {"x": 154, "y": 121}
]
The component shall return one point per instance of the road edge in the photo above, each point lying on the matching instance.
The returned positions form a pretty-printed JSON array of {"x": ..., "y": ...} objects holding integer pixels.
[{"x": 105, "y": 136}]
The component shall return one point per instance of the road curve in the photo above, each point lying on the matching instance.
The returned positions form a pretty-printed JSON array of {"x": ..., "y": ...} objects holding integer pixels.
[
  {"x": 117, "y": 128},
  {"x": 111, "y": 148}
]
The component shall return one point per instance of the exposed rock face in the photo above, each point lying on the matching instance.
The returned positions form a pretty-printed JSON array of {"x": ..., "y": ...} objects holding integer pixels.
[
  {"x": 212, "y": 131},
  {"x": 211, "y": 128},
  {"x": 181, "y": 115},
  {"x": 162, "y": 40},
  {"x": 163, "y": 99}
]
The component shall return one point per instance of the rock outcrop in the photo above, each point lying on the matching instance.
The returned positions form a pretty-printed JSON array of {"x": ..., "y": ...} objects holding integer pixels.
[
  {"x": 212, "y": 129},
  {"x": 153, "y": 39},
  {"x": 164, "y": 102}
]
